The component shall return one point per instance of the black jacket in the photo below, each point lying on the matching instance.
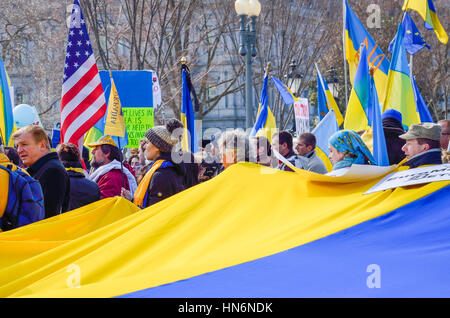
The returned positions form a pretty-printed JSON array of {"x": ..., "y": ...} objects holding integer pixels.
[
  {"x": 392, "y": 130},
  {"x": 82, "y": 190},
  {"x": 54, "y": 181},
  {"x": 165, "y": 182},
  {"x": 191, "y": 170},
  {"x": 430, "y": 157}
]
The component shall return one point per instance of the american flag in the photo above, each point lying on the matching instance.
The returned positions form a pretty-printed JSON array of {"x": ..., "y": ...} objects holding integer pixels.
[{"x": 83, "y": 102}]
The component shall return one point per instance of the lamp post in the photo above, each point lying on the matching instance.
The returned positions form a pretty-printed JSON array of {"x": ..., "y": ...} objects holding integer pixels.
[
  {"x": 333, "y": 83},
  {"x": 295, "y": 78},
  {"x": 247, "y": 48}
]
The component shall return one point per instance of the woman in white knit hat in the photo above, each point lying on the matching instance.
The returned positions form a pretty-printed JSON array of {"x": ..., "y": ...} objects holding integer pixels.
[{"x": 164, "y": 177}]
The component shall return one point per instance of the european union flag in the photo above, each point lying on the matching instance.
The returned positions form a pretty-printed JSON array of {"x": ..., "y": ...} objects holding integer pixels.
[{"x": 412, "y": 40}]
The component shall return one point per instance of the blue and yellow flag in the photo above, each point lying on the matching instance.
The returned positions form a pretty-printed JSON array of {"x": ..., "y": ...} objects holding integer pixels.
[
  {"x": 355, "y": 34},
  {"x": 325, "y": 99},
  {"x": 323, "y": 131},
  {"x": 357, "y": 114},
  {"x": 399, "y": 89},
  {"x": 380, "y": 153},
  {"x": 428, "y": 13},
  {"x": 364, "y": 109},
  {"x": 285, "y": 92},
  {"x": 6, "y": 107},
  {"x": 265, "y": 124},
  {"x": 413, "y": 40},
  {"x": 189, "y": 141},
  {"x": 225, "y": 238},
  {"x": 421, "y": 106},
  {"x": 115, "y": 123}
]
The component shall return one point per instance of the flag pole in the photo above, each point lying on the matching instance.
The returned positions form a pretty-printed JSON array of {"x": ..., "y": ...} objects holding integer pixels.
[
  {"x": 1, "y": 137},
  {"x": 343, "y": 45},
  {"x": 118, "y": 139}
]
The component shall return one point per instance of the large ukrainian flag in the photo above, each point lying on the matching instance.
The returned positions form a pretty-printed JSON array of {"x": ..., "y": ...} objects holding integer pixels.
[
  {"x": 6, "y": 107},
  {"x": 355, "y": 34},
  {"x": 399, "y": 89},
  {"x": 427, "y": 11},
  {"x": 227, "y": 238}
]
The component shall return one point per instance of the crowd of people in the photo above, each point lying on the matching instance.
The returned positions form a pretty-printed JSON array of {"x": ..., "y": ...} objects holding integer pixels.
[{"x": 158, "y": 169}]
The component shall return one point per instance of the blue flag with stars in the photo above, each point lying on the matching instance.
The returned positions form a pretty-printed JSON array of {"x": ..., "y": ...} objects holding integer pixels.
[{"x": 412, "y": 40}]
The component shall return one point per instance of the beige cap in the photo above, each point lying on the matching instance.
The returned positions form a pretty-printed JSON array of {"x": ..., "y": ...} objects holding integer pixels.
[
  {"x": 104, "y": 140},
  {"x": 423, "y": 130}
]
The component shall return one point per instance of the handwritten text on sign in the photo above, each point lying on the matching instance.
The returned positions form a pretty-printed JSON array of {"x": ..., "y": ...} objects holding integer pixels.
[
  {"x": 301, "y": 112},
  {"x": 413, "y": 176},
  {"x": 137, "y": 121}
]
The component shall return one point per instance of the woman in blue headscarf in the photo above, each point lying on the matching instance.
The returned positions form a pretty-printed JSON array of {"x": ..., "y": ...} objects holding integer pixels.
[{"x": 347, "y": 148}]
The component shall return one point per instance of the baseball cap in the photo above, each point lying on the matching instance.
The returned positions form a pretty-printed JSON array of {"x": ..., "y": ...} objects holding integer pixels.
[
  {"x": 104, "y": 140},
  {"x": 423, "y": 130}
]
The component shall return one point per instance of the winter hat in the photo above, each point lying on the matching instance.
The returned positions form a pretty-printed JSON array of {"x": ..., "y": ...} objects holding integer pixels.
[
  {"x": 392, "y": 113},
  {"x": 161, "y": 137}
]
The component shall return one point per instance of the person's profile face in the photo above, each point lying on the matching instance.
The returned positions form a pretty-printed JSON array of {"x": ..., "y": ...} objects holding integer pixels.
[{"x": 29, "y": 150}]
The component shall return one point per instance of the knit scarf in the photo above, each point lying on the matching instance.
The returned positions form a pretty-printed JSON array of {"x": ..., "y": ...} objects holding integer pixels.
[{"x": 141, "y": 190}]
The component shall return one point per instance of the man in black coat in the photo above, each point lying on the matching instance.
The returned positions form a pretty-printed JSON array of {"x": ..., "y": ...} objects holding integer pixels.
[
  {"x": 392, "y": 127},
  {"x": 33, "y": 148},
  {"x": 82, "y": 190}
]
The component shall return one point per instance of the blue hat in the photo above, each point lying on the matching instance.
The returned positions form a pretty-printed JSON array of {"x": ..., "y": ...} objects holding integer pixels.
[{"x": 392, "y": 113}]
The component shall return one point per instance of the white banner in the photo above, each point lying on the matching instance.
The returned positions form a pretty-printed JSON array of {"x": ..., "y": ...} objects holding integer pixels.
[
  {"x": 413, "y": 176},
  {"x": 157, "y": 100},
  {"x": 11, "y": 94},
  {"x": 301, "y": 111}
]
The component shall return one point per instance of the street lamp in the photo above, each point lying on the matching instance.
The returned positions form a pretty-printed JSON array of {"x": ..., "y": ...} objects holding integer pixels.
[
  {"x": 333, "y": 82},
  {"x": 293, "y": 78},
  {"x": 247, "y": 33}
]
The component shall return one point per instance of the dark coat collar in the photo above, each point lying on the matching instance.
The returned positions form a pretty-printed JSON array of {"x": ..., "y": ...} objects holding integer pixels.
[
  {"x": 42, "y": 161},
  {"x": 430, "y": 157}
]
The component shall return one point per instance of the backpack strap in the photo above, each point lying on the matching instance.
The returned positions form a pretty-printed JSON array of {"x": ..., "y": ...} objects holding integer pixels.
[
  {"x": 8, "y": 219},
  {"x": 4, "y": 189}
]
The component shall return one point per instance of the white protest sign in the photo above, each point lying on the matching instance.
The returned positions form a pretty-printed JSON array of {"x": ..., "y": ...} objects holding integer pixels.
[
  {"x": 413, "y": 176},
  {"x": 301, "y": 111},
  {"x": 355, "y": 173}
]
